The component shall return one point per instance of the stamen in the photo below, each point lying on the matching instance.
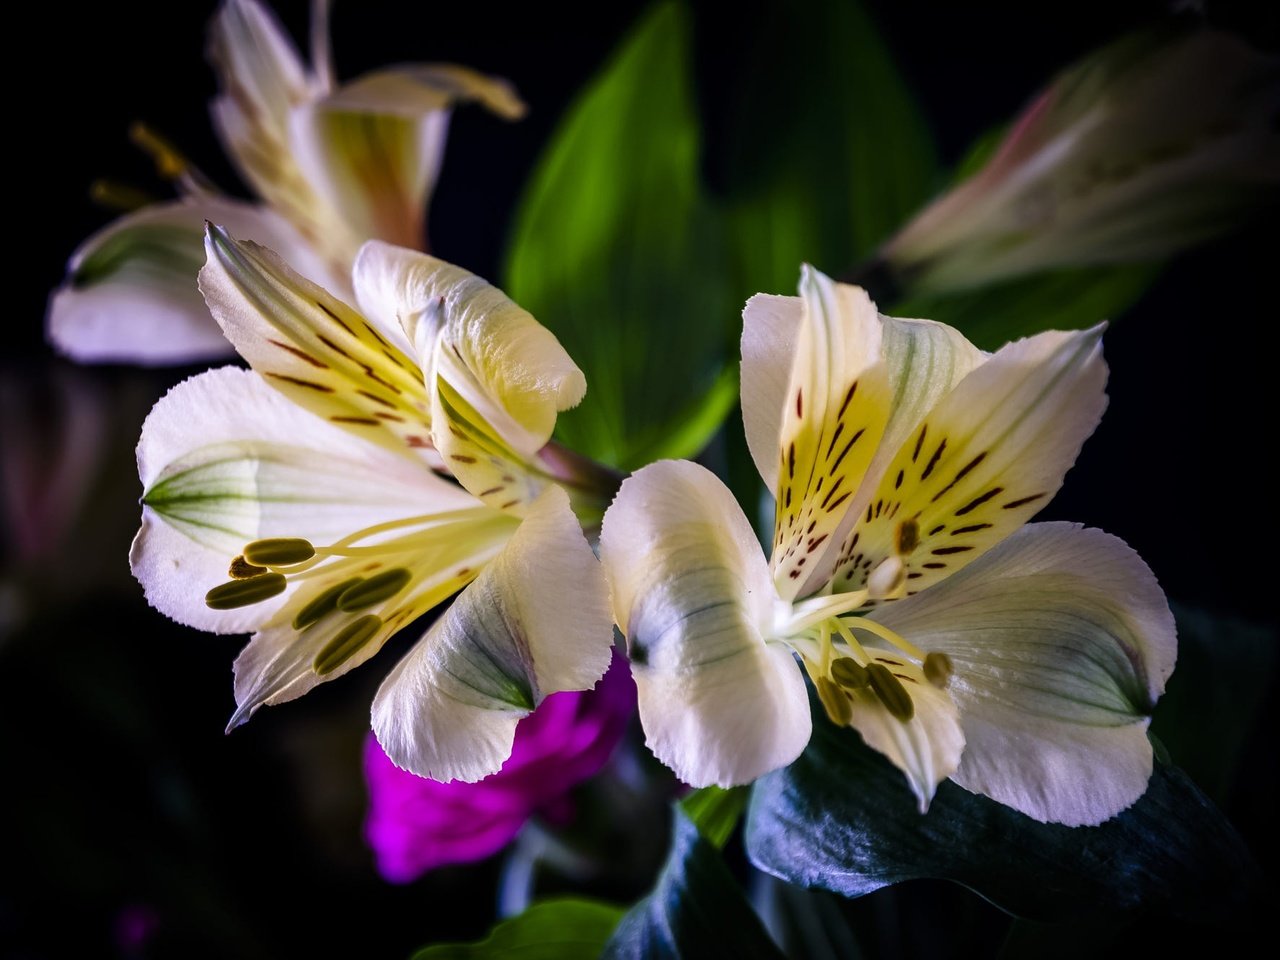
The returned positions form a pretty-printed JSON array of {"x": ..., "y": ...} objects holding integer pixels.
[
  {"x": 325, "y": 603},
  {"x": 880, "y": 630},
  {"x": 279, "y": 551},
  {"x": 849, "y": 673},
  {"x": 813, "y": 611},
  {"x": 834, "y": 701},
  {"x": 381, "y": 587},
  {"x": 891, "y": 692},
  {"x": 121, "y": 197},
  {"x": 346, "y": 644},
  {"x": 852, "y": 641},
  {"x": 242, "y": 569},
  {"x": 887, "y": 578},
  {"x": 169, "y": 161},
  {"x": 243, "y": 593},
  {"x": 938, "y": 669}
]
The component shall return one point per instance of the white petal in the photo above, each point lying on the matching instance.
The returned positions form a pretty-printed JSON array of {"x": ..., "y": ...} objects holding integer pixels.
[
  {"x": 692, "y": 592},
  {"x": 372, "y": 149},
  {"x": 1061, "y": 641},
  {"x": 312, "y": 347},
  {"x": 499, "y": 377},
  {"x": 986, "y": 458},
  {"x": 927, "y": 748},
  {"x": 837, "y": 406},
  {"x": 225, "y": 460},
  {"x": 770, "y": 327},
  {"x": 130, "y": 295},
  {"x": 536, "y": 621},
  {"x": 262, "y": 79}
]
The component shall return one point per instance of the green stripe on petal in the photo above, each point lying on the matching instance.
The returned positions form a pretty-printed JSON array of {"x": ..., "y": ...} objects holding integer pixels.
[
  {"x": 1060, "y": 641},
  {"x": 693, "y": 594},
  {"x": 535, "y": 621}
]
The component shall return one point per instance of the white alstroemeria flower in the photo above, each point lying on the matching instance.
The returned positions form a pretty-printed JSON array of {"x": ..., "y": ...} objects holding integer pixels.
[
  {"x": 1022, "y": 662},
  {"x": 299, "y": 501},
  {"x": 332, "y": 166}
]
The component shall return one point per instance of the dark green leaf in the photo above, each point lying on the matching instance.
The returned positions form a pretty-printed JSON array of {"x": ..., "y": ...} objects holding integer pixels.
[
  {"x": 617, "y": 250},
  {"x": 562, "y": 929},
  {"x": 1214, "y": 697},
  {"x": 715, "y": 812},
  {"x": 1058, "y": 300},
  {"x": 828, "y": 153},
  {"x": 696, "y": 909},
  {"x": 842, "y": 818}
]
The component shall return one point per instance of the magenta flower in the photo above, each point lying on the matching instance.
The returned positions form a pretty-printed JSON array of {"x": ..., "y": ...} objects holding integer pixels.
[{"x": 415, "y": 824}]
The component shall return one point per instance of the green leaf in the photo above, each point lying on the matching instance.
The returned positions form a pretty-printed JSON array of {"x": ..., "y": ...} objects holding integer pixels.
[
  {"x": 696, "y": 909},
  {"x": 565, "y": 928},
  {"x": 715, "y": 812},
  {"x": 1057, "y": 300},
  {"x": 841, "y": 818},
  {"x": 828, "y": 153},
  {"x": 618, "y": 251},
  {"x": 1216, "y": 695}
]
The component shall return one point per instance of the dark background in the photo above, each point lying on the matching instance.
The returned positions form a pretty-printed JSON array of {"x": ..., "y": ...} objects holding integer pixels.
[{"x": 128, "y": 808}]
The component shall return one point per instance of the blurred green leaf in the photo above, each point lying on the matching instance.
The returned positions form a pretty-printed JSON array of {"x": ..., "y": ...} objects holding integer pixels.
[
  {"x": 618, "y": 251},
  {"x": 842, "y": 818},
  {"x": 828, "y": 152},
  {"x": 696, "y": 909},
  {"x": 1057, "y": 300},
  {"x": 565, "y": 928},
  {"x": 1215, "y": 695},
  {"x": 715, "y": 812}
]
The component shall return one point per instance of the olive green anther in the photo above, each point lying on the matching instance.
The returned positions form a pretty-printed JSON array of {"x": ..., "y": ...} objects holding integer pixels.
[
  {"x": 834, "y": 701},
  {"x": 242, "y": 569},
  {"x": 366, "y": 593},
  {"x": 279, "y": 551},
  {"x": 243, "y": 593},
  {"x": 891, "y": 692},
  {"x": 849, "y": 673},
  {"x": 346, "y": 644},
  {"x": 938, "y": 669},
  {"x": 325, "y": 602}
]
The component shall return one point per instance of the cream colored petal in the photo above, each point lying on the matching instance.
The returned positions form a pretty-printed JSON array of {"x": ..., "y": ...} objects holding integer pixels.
[
  {"x": 225, "y": 460},
  {"x": 923, "y": 361},
  {"x": 986, "y": 458},
  {"x": 499, "y": 377},
  {"x": 927, "y": 748},
  {"x": 536, "y": 621},
  {"x": 835, "y": 412},
  {"x": 130, "y": 295},
  {"x": 1061, "y": 641},
  {"x": 373, "y": 148},
  {"x": 313, "y": 348},
  {"x": 691, "y": 591}
]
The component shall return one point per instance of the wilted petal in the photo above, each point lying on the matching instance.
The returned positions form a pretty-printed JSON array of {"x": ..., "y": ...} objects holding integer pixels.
[
  {"x": 225, "y": 460},
  {"x": 694, "y": 597},
  {"x": 498, "y": 377},
  {"x": 1060, "y": 640},
  {"x": 985, "y": 459},
  {"x": 372, "y": 149},
  {"x": 535, "y": 621},
  {"x": 130, "y": 295}
]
